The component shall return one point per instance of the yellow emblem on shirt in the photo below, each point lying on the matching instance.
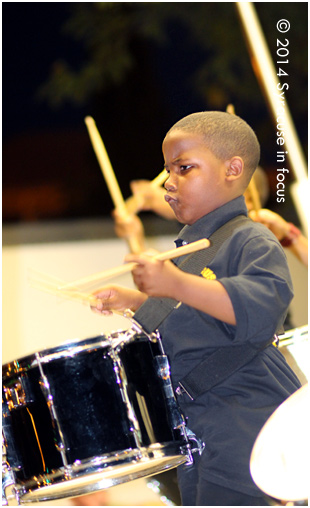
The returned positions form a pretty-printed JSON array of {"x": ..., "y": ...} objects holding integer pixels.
[{"x": 208, "y": 274}]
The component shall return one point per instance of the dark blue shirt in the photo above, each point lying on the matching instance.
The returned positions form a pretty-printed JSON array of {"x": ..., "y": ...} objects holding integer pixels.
[{"x": 252, "y": 267}]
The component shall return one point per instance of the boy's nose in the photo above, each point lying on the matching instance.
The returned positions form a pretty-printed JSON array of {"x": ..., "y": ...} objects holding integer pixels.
[{"x": 171, "y": 182}]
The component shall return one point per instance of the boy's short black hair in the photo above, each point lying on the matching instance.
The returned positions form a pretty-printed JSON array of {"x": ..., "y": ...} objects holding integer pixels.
[{"x": 225, "y": 135}]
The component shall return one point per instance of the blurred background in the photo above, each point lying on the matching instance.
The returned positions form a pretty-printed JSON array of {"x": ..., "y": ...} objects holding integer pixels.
[{"x": 136, "y": 68}]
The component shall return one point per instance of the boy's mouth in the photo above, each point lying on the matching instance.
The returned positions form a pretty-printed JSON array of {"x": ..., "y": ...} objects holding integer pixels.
[{"x": 169, "y": 199}]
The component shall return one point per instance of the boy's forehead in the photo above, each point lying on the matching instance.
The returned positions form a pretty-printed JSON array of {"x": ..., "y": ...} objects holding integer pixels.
[
  {"x": 178, "y": 144},
  {"x": 183, "y": 135},
  {"x": 183, "y": 140}
]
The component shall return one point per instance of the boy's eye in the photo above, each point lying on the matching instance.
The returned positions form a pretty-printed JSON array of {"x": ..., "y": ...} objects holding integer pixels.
[{"x": 185, "y": 168}]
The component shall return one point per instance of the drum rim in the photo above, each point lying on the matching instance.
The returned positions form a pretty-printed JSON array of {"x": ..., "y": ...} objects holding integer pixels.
[
  {"x": 66, "y": 349},
  {"x": 159, "y": 452},
  {"x": 69, "y": 348}
]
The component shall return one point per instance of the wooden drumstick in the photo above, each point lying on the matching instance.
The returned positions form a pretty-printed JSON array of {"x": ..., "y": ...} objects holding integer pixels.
[
  {"x": 230, "y": 109},
  {"x": 252, "y": 186},
  {"x": 160, "y": 179},
  {"x": 109, "y": 175},
  {"x": 105, "y": 165},
  {"x": 132, "y": 203},
  {"x": 254, "y": 195},
  {"x": 120, "y": 270},
  {"x": 48, "y": 284}
]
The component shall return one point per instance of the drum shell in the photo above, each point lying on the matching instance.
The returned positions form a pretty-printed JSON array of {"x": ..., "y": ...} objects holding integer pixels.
[
  {"x": 144, "y": 385},
  {"x": 89, "y": 410},
  {"x": 74, "y": 404}
]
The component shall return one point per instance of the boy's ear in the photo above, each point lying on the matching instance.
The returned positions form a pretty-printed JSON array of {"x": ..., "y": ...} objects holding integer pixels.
[{"x": 235, "y": 168}]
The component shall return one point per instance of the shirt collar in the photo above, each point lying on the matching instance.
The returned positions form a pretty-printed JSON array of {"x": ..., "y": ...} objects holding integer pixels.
[{"x": 206, "y": 225}]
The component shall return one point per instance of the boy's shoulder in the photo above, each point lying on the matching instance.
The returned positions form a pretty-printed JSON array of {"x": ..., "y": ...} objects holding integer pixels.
[
  {"x": 251, "y": 230},
  {"x": 253, "y": 241}
]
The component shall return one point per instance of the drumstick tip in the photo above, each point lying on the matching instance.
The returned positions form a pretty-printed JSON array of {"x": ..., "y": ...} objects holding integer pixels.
[
  {"x": 88, "y": 120},
  {"x": 204, "y": 242}
]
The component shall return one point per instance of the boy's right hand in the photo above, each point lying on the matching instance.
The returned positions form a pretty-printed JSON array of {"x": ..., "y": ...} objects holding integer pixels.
[{"x": 117, "y": 298}]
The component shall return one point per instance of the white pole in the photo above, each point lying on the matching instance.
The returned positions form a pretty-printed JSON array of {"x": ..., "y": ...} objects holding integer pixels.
[{"x": 275, "y": 92}]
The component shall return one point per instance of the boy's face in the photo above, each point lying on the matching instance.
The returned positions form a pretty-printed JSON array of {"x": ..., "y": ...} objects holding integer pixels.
[{"x": 196, "y": 183}]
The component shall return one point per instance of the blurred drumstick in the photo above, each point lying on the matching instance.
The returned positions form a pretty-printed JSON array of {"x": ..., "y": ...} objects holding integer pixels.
[
  {"x": 133, "y": 204},
  {"x": 160, "y": 179},
  {"x": 127, "y": 267},
  {"x": 252, "y": 186},
  {"x": 109, "y": 175},
  {"x": 49, "y": 284},
  {"x": 254, "y": 195},
  {"x": 230, "y": 109}
]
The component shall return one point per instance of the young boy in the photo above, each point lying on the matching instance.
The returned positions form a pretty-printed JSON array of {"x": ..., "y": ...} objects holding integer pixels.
[{"x": 241, "y": 298}]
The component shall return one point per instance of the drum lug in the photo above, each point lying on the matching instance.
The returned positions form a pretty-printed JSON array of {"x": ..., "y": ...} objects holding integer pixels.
[
  {"x": 196, "y": 446},
  {"x": 10, "y": 495},
  {"x": 137, "y": 328},
  {"x": 128, "y": 314},
  {"x": 163, "y": 372},
  {"x": 9, "y": 492},
  {"x": 118, "y": 343},
  {"x": 15, "y": 396}
]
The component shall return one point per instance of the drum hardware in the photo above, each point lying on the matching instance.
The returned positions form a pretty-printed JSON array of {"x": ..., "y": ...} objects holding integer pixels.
[
  {"x": 118, "y": 340},
  {"x": 294, "y": 346},
  {"x": 163, "y": 371},
  {"x": 121, "y": 379},
  {"x": 128, "y": 313},
  {"x": 293, "y": 336},
  {"x": 9, "y": 493},
  {"x": 177, "y": 418},
  {"x": 15, "y": 395},
  {"x": 200, "y": 445},
  {"x": 45, "y": 388},
  {"x": 88, "y": 415}
]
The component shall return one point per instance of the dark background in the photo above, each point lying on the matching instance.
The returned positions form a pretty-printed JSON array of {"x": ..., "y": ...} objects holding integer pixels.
[{"x": 136, "y": 68}]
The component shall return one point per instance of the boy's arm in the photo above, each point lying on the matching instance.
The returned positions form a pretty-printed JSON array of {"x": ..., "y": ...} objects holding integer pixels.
[
  {"x": 205, "y": 295},
  {"x": 163, "y": 279}
]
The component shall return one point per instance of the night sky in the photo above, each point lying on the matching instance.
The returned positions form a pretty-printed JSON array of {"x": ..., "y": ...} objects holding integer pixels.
[
  {"x": 49, "y": 168},
  {"x": 45, "y": 146},
  {"x": 32, "y": 40}
]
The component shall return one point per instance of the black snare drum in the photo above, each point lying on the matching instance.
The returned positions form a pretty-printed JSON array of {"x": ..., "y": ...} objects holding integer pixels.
[{"x": 89, "y": 415}]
